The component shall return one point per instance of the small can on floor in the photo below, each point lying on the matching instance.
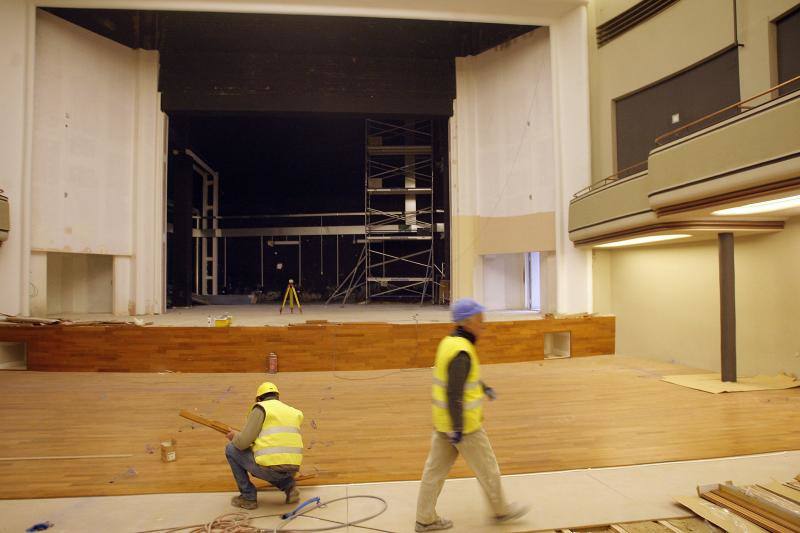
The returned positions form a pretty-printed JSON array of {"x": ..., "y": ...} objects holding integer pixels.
[{"x": 169, "y": 450}]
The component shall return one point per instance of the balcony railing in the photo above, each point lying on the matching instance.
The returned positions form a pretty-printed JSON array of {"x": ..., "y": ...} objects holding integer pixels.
[{"x": 672, "y": 135}]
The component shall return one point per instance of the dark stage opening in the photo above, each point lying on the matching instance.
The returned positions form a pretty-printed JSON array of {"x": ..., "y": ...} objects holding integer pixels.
[{"x": 293, "y": 195}]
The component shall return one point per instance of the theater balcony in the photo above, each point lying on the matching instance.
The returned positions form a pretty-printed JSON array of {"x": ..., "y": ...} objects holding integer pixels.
[{"x": 740, "y": 175}]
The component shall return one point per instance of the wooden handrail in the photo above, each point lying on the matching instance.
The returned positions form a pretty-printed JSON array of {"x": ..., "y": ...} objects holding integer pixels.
[
  {"x": 609, "y": 179},
  {"x": 660, "y": 138},
  {"x": 724, "y": 109}
]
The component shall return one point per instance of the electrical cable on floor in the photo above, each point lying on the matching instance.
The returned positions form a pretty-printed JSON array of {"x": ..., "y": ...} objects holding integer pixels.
[
  {"x": 297, "y": 513},
  {"x": 238, "y": 522}
]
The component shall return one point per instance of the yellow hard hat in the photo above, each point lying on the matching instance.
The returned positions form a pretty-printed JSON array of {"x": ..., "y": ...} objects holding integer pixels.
[{"x": 266, "y": 387}]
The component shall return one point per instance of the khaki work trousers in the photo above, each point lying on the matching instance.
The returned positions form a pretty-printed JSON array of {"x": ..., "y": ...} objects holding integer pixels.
[{"x": 478, "y": 453}]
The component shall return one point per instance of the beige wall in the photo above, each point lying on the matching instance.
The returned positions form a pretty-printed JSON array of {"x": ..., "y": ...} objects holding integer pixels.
[
  {"x": 520, "y": 234},
  {"x": 685, "y": 33},
  {"x": 666, "y": 300}
]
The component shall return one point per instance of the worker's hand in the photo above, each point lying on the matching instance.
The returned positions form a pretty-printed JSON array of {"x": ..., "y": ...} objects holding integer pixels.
[
  {"x": 455, "y": 437},
  {"x": 231, "y": 434},
  {"x": 490, "y": 393}
]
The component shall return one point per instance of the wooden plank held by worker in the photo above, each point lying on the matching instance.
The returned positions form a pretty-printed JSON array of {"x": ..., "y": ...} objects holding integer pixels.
[{"x": 213, "y": 424}]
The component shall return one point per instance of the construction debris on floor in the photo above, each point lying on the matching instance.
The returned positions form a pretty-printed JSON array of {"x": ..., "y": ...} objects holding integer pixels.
[
  {"x": 769, "y": 506},
  {"x": 765, "y": 507},
  {"x": 673, "y": 525},
  {"x": 11, "y": 320},
  {"x": 713, "y": 384}
]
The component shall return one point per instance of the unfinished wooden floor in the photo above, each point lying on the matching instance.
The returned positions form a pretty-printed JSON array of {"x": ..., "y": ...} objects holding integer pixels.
[{"x": 370, "y": 426}]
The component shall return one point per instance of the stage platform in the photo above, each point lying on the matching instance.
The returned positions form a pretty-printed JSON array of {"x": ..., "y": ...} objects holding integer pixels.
[
  {"x": 269, "y": 315},
  {"x": 370, "y": 426},
  {"x": 372, "y": 337}
]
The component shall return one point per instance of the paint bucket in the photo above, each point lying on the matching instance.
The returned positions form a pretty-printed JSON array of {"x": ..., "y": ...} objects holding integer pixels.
[
  {"x": 272, "y": 363},
  {"x": 223, "y": 321}
]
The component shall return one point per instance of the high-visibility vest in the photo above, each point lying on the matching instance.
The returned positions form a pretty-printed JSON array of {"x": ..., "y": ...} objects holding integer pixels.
[
  {"x": 448, "y": 349},
  {"x": 279, "y": 442}
]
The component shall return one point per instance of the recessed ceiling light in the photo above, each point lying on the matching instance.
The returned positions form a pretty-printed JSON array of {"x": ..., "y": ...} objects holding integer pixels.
[
  {"x": 761, "y": 207},
  {"x": 643, "y": 240}
]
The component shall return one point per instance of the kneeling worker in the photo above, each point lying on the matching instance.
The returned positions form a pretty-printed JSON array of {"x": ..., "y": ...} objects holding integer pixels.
[
  {"x": 269, "y": 447},
  {"x": 458, "y": 422}
]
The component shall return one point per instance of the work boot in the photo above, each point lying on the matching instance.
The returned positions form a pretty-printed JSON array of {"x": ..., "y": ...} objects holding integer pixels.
[
  {"x": 441, "y": 523},
  {"x": 515, "y": 510},
  {"x": 238, "y": 501},
  {"x": 292, "y": 495}
]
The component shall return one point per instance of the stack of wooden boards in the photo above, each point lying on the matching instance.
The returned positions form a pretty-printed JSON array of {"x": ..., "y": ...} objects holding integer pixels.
[
  {"x": 672, "y": 525},
  {"x": 765, "y": 507},
  {"x": 773, "y": 507}
]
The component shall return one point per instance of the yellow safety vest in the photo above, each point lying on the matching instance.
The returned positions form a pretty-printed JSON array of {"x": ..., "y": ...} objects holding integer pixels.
[
  {"x": 473, "y": 390},
  {"x": 279, "y": 442}
]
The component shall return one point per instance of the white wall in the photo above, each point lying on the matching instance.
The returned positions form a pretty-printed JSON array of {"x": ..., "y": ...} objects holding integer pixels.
[
  {"x": 97, "y": 167},
  {"x": 572, "y": 154},
  {"x": 502, "y": 163},
  {"x": 513, "y": 107},
  {"x": 83, "y": 138},
  {"x": 14, "y": 50},
  {"x": 505, "y": 127},
  {"x": 519, "y": 150},
  {"x": 504, "y": 281},
  {"x": 79, "y": 283}
]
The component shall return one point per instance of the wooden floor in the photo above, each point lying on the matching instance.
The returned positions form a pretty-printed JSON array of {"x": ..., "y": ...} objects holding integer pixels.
[
  {"x": 371, "y": 426},
  {"x": 306, "y": 347}
]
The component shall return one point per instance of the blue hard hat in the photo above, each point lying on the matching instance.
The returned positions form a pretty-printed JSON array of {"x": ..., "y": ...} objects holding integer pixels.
[{"x": 464, "y": 308}]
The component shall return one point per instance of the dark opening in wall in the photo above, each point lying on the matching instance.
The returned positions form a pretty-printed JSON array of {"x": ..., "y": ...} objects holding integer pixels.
[
  {"x": 275, "y": 170},
  {"x": 673, "y": 102},
  {"x": 788, "y": 33}
]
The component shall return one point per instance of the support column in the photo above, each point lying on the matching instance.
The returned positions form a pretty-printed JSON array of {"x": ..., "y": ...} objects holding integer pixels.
[
  {"x": 147, "y": 169},
  {"x": 182, "y": 265},
  {"x": 727, "y": 306},
  {"x": 570, "y": 64}
]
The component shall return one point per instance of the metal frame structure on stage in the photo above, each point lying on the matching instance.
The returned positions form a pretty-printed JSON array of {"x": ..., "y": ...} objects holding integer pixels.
[{"x": 206, "y": 239}]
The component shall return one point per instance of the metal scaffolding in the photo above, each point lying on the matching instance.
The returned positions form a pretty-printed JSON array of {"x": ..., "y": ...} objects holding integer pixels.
[{"x": 397, "y": 261}]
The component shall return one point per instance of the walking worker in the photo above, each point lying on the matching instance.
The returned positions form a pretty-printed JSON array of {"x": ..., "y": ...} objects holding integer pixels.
[
  {"x": 269, "y": 447},
  {"x": 458, "y": 394}
]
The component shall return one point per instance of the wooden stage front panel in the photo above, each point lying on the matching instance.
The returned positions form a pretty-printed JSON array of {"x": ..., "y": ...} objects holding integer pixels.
[
  {"x": 370, "y": 426},
  {"x": 308, "y": 347}
]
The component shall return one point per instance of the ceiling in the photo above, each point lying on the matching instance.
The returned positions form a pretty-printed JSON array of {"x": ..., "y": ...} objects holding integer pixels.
[{"x": 184, "y": 31}]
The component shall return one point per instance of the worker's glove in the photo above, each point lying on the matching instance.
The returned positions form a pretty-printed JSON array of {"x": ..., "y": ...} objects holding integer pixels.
[
  {"x": 455, "y": 437},
  {"x": 490, "y": 393}
]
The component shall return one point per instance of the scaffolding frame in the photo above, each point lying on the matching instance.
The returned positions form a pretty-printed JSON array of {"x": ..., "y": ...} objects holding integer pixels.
[{"x": 399, "y": 214}]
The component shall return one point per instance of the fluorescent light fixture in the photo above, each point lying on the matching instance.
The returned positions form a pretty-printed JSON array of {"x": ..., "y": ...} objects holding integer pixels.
[
  {"x": 761, "y": 207},
  {"x": 643, "y": 240}
]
